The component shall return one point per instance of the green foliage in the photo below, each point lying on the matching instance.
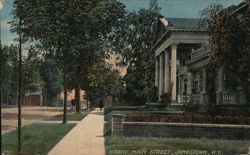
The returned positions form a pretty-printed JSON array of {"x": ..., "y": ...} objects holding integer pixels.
[
  {"x": 31, "y": 76},
  {"x": 75, "y": 32},
  {"x": 209, "y": 13},
  {"x": 138, "y": 55},
  {"x": 52, "y": 80},
  {"x": 230, "y": 39},
  {"x": 9, "y": 69},
  {"x": 103, "y": 81}
]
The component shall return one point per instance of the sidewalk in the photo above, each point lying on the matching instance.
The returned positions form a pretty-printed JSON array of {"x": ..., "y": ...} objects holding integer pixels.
[{"x": 86, "y": 138}]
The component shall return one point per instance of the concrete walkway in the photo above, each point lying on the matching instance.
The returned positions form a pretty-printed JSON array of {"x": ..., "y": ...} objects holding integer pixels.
[{"x": 86, "y": 138}]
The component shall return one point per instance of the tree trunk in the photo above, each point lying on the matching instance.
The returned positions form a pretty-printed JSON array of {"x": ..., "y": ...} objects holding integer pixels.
[
  {"x": 1, "y": 85},
  {"x": 78, "y": 97},
  {"x": 50, "y": 100},
  {"x": 19, "y": 91},
  {"x": 47, "y": 96},
  {"x": 65, "y": 88},
  {"x": 88, "y": 100},
  {"x": 78, "y": 90}
]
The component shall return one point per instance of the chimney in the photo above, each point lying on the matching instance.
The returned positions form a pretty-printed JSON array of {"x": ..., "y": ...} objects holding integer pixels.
[{"x": 247, "y": 2}]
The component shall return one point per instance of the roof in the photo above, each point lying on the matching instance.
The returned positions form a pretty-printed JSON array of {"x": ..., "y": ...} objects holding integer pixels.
[
  {"x": 37, "y": 93},
  {"x": 184, "y": 23},
  {"x": 171, "y": 25},
  {"x": 241, "y": 7}
]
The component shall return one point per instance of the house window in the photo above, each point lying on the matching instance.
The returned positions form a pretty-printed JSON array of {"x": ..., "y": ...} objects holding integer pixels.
[
  {"x": 185, "y": 89},
  {"x": 196, "y": 89}
]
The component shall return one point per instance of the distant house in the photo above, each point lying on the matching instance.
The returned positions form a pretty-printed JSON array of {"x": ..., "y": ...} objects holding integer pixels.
[
  {"x": 34, "y": 99},
  {"x": 10, "y": 99},
  {"x": 71, "y": 95},
  {"x": 31, "y": 99}
]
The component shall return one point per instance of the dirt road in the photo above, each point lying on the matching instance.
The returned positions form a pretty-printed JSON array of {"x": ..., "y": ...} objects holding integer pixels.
[{"x": 29, "y": 115}]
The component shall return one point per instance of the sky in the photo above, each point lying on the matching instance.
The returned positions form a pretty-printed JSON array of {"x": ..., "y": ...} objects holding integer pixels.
[
  {"x": 169, "y": 9},
  {"x": 179, "y": 8}
]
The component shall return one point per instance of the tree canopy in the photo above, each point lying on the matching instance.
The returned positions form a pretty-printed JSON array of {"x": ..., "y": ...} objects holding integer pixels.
[
  {"x": 137, "y": 53},
  {"x": 230, "y": 42},
  {"x": 76, "y": 33}
]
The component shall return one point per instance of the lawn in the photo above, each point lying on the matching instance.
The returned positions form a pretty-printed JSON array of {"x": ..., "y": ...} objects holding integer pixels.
[
  {"x": 30, "y": 115},
  {"x": 36, "y": 138},
  {"x": 173, "y": 146},
  {"x": 170, "y": 146}
]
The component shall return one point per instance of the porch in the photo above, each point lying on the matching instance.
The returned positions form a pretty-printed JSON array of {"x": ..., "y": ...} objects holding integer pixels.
[{"x": 223, "y": 98}]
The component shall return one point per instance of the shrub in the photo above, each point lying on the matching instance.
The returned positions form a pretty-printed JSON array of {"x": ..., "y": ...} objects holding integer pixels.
[{"x": 187, "y": 118}]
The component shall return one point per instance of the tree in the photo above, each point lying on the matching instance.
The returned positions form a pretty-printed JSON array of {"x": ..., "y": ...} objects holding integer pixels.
[
  {"x": 65, "y": 26},
  {"x": 10, "y": 68},
  {"x": 103, "y": 82},
  {"x": 138, "y": 54},
  {"x": 230, "y": 43},
  {"x": 51, "y": 77}
]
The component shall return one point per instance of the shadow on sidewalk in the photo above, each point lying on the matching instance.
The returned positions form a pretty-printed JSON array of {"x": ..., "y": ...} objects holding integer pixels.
[{"x": 97, "y": 113}]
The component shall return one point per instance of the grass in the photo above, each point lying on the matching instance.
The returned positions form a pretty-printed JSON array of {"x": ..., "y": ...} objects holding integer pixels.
[
  {"x": 71, "y": 116},
  {"x": 170, "y": 146},
  {"x": 36, "y": 138},
  {"x": 135, "y": 146}
]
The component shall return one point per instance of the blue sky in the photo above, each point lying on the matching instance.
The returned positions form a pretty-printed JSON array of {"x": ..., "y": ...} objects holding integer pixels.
[
  {"x": 169, "y": 8},
  {"x": 179, "y": 8},
  {"x": 7, "y": 37}
]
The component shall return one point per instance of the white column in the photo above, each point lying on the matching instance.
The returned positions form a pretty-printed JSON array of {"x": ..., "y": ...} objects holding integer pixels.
[
  {"x": 220, "y": 80},
  {"x": 167, "y": 72},
  {"x": 219, "y": 94},
  {"x": 179, "y": 89},
  {"x": 157, "y": 71},
  {"x": 204, "y": 95},
  {"x": 161, "y": 83},
  {"x": 179, "y": 85},
  {"x": 173, "y": 70},
  {"x": 183, "y": 86},
  {"x": 189, "y": 83},
  {"x": 204, "y": 81}
]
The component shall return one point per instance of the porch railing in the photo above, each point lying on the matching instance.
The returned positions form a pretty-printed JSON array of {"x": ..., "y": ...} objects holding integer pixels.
[
  {"x": 227, "y": 98},
  {"x": 183, "y": 98},
  {"x": 199, "y": 52},
  {"x": 196, "y": 98}
]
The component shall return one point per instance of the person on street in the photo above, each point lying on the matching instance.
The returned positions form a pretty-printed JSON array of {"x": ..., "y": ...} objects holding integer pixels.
[{"x": 101, "y": 104}]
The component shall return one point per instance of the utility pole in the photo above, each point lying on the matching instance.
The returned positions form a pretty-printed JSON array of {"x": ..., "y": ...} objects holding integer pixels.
[
  {"x": 1, "y": 68},
  {"x": 19, "y": 89}
]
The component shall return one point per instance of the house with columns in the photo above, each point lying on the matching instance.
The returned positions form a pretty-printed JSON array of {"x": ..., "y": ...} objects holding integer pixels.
[{"x": 182, "y": 54}]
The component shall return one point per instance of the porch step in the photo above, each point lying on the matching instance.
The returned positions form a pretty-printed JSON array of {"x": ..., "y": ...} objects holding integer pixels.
[{"x": 177, "y": 106}]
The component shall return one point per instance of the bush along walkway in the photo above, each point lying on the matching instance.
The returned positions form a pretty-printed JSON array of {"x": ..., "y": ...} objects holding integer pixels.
[{"x": 86, "y": 138}]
